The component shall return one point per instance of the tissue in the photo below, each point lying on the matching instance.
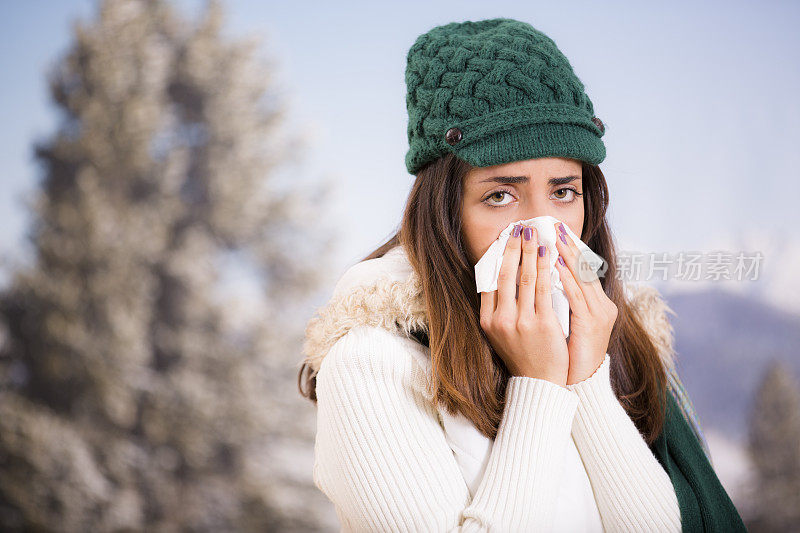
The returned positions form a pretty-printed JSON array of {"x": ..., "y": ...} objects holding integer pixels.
[{"x": 488, "y": 267}]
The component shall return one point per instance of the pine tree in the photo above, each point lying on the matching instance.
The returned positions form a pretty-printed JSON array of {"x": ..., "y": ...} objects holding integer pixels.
[
  {"x": 774, "y": 446},
  {"x": 130, "y": 396}
]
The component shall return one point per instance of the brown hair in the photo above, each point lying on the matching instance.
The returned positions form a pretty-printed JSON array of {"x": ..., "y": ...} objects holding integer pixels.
[{"x": 469, "y": 377}]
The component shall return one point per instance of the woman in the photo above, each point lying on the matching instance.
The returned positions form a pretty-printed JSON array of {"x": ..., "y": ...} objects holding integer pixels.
[{"x": 440, "y": 408}]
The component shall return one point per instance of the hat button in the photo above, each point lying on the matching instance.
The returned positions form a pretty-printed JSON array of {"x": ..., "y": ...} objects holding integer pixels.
[
  {"x": 599, "y": 123},
  {"x": 452, "y": 136}
]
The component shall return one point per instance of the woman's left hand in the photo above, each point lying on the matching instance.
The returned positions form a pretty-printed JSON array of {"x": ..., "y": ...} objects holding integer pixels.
[{"x": 593, "y": 314}]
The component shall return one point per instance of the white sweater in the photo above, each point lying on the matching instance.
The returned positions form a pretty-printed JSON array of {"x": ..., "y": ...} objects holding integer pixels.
[{"x": 382, "y": 455}]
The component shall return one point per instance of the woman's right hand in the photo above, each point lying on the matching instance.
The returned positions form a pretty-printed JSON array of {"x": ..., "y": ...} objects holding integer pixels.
[{"x": 524, "y": 331}]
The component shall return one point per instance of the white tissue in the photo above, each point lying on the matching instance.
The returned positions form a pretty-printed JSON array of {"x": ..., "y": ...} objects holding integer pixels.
[{"x": 488, "y": 267}]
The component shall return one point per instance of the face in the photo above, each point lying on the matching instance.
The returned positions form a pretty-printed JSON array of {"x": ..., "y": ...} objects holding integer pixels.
[{"x": 496, "y": 196}]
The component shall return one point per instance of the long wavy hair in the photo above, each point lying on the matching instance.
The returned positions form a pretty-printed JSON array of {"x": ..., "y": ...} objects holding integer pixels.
[{"x": 468, "y": 375}]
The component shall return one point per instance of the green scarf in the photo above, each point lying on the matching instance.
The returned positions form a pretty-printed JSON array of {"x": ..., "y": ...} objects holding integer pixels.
[{"x": 704, "y": 504}]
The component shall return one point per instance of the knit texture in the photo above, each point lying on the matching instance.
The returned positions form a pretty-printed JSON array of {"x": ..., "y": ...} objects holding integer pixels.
[
  {"x": 382, "y": 458},
  {"x": 619, "y": 462},
  {"x": 496, "y": 91}
]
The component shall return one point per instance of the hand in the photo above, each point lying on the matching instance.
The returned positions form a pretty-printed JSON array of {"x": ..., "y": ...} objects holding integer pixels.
[
  {"x": 525, "y": 332},
  {"x": 592, "y": 313}
]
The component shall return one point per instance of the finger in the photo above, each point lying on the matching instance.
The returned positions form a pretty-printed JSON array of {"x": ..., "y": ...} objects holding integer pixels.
[
  {"x": 507, "y": 279},
  {"x": 528, "y": 274},
  {"x": 543, "y": 298},
  {"x": 587, "y": 280},
  {"x": 577, "y": 303}
]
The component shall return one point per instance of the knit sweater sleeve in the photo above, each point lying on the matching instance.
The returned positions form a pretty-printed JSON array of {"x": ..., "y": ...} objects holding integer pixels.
[
  {"x": 381, "y": 456},
  {"x": 632, "y": 490}
]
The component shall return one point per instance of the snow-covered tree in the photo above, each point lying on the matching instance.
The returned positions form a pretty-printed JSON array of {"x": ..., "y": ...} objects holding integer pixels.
[
  {"x": 774, "y": 445},
  {"x": 133, "y": 394}
]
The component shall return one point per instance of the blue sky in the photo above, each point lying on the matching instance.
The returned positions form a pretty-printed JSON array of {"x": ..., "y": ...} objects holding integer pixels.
[{"x": 699, "y": 100}]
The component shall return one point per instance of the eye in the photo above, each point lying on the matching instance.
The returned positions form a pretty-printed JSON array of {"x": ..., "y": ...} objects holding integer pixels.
[
  {"x": 564, "y": 192},
  {"x": 495, "y": 195}
]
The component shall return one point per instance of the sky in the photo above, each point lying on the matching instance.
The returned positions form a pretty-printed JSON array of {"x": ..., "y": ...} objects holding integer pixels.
[{"x": 699, "y": 100}]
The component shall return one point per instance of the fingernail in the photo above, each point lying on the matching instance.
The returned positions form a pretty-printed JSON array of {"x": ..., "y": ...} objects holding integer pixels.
[
  {"x": 563, "y": 239},
  {"x": 527, "y": 233},
  {"x": 517, "y": 229},
  {"x": 541, "y": 250},
  {"x": 561, "y": 227},
  {"x": 561, "y": 260}
]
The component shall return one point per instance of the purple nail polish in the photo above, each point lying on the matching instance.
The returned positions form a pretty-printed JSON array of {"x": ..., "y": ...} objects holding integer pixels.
[
  {"x": 563, "y": 239},
  {"x": 516, "y": 231},
  {"x": 527, "y": 233},
  {"x": 561, "y": 260},
  {"x": 561, "y": 227},
  {"x": 541, "y": 250}
]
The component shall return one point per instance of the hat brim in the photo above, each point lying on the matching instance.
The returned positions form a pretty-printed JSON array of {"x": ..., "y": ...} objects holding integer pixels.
[{"x": 533, "y": 141}]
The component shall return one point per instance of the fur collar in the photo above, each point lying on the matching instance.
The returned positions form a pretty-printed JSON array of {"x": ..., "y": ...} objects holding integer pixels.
[{"x": 385, "y": 292}]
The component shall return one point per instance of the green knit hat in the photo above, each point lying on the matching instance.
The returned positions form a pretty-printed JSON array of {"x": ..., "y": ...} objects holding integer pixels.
[{"x": 496, "y": 91}]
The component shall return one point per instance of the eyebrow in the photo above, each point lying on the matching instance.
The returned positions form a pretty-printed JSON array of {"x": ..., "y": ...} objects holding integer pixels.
[{"x": 525, "y": 179}]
